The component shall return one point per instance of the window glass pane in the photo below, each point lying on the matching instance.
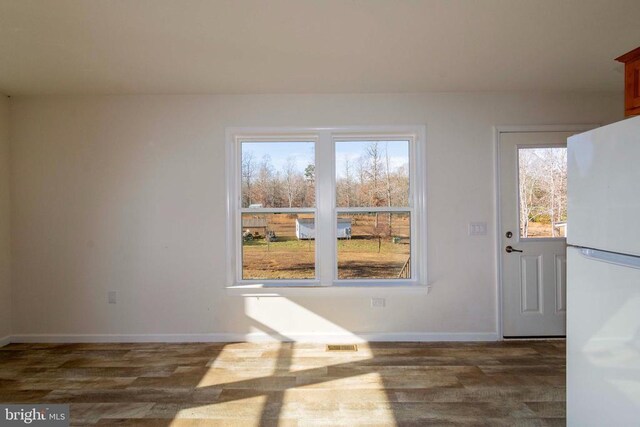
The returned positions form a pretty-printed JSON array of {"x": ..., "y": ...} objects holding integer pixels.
[
  {"x": 374, "y": 245},
  {"x": 372, "y": 173},
  {"x": 278, "y": 174},
  {"x": 543, "y": 192},
  {"x": 278, "y": 246}
]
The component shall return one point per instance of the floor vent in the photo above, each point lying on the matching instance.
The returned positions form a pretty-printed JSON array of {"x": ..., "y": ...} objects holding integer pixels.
[{"x": 342, "y": 347}]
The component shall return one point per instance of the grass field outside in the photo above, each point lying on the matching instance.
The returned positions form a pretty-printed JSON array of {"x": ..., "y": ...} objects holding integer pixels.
[{"x": 364, "y": 256}]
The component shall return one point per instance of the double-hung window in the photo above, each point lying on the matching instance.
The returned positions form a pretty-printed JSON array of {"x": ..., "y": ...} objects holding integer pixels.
[{"x": 326, "y": 206}]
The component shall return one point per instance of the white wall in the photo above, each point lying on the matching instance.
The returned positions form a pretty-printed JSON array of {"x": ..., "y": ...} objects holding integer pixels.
[
  {"x": 127, "y": 194},
  {"x": 5, "y": 247}
]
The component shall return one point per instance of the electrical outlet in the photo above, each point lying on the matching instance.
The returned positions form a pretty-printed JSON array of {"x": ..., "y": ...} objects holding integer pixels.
[
  {"x": 378, "y": 302},
  {"x": 111, "y": 296}
]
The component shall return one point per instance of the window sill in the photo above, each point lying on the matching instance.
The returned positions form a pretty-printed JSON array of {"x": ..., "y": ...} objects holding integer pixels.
[{"x": 368, "y": 290}]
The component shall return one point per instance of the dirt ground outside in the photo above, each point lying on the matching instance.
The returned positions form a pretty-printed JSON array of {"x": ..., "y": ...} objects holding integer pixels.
[
  {"x": 539, "y": 230},
  {"x": 371, "y": 253}
]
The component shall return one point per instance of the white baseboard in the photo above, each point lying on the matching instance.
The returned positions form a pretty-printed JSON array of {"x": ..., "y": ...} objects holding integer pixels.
[
  {"x": 320, "y": 338},
  {"x": 5, "y": 340}
]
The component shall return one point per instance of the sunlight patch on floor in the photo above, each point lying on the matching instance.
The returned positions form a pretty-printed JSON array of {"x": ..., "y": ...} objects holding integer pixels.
[{"x": 247, "y": 409}]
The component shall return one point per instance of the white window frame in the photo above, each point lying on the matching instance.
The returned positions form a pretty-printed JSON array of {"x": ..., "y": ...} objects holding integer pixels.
[{"x": 326, "y": 211}]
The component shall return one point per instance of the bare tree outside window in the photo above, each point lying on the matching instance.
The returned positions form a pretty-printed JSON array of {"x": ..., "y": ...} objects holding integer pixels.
[
  {"x": 381, "y": 170},
  {"x": 543, "y": 192},
  {"x": 378, "y": 244},
  {"x": 248, "y": 173},
  {"x": 274, "y": 178}
]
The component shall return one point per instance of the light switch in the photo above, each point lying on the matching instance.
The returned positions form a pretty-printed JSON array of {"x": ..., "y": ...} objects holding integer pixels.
[
  {"x": 378, "y": 302},
  {"x": 477, "y": 229},
  {"x": 111, "y": 296}
]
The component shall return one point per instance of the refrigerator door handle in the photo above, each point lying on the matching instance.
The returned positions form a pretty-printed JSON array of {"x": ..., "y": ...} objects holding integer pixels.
[{"x": 611, "y": 257}]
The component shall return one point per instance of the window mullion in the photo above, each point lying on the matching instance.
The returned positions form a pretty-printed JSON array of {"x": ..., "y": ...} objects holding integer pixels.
[{"x": 325, "y": 231}]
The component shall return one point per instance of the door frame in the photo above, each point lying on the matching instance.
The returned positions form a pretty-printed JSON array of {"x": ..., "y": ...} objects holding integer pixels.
[{"x": 497, "y": 133}]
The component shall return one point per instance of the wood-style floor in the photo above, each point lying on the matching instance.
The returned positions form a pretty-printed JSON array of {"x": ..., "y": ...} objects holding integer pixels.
[{"x": 493, "y": 384}]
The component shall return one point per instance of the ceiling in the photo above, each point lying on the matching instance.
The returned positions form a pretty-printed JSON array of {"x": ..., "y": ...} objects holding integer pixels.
[{"x": 313, "y": 46}]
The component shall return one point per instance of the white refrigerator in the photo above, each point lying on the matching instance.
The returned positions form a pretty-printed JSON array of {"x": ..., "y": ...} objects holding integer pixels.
[{"x": 603, "y": 276}]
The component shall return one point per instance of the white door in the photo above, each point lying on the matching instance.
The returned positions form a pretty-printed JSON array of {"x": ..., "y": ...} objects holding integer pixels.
[{"x": 533, "y": 206}]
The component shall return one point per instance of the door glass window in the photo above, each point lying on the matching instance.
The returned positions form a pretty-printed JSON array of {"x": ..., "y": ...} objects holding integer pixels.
[{"x": 542, "y": 192}]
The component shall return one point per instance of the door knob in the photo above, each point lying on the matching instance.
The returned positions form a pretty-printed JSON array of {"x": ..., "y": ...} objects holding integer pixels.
[{"x": 510, "y": 249}]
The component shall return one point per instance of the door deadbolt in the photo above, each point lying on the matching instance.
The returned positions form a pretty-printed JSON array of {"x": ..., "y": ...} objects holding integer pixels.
[{"x": 509, "y": 234}]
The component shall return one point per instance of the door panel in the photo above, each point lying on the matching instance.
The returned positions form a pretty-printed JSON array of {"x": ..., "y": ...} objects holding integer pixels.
[
  {"x": 561, "y": 283},
  {"x": 531, "y": 283},
  {"x": 533, "y": 210}
]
